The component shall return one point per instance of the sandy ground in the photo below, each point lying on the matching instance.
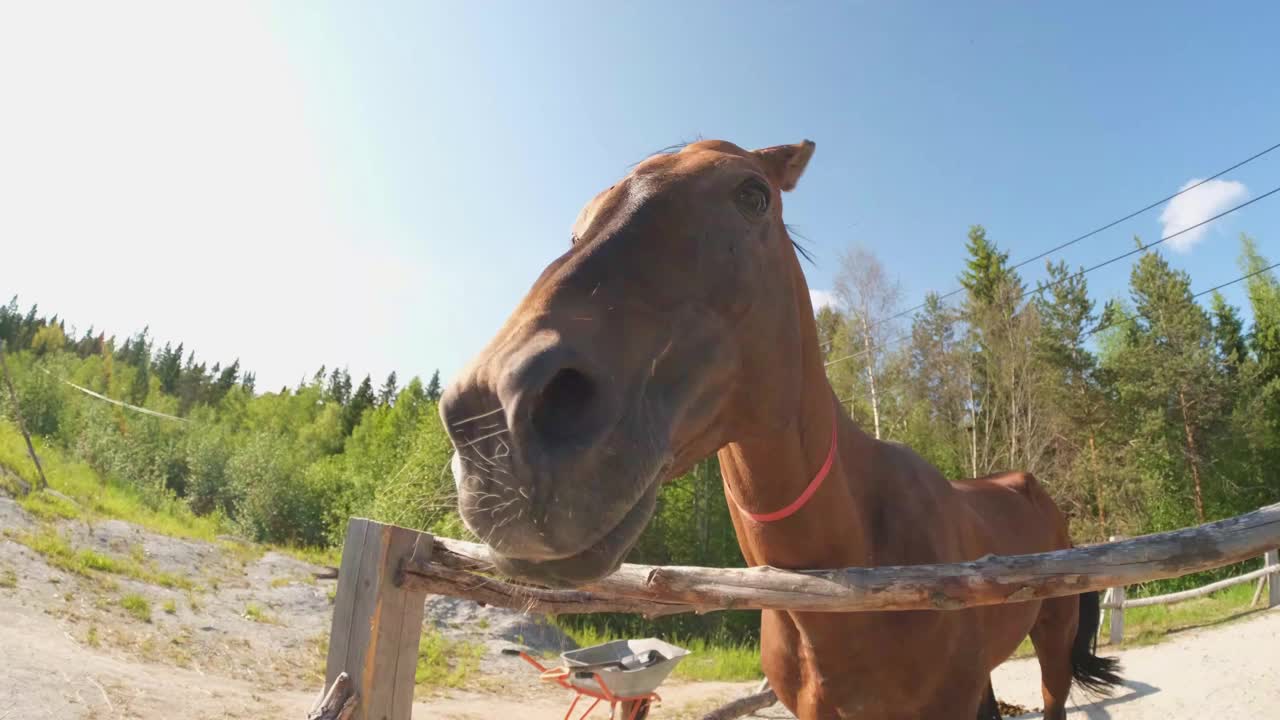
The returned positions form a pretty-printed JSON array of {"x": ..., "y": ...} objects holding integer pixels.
[
  {"x": 70, "y": 651},
  {"x": 1229, "y": 671}
]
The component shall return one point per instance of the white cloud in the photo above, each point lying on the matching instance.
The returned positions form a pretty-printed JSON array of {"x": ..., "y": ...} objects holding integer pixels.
[
  {"x": 821, "y": 299},
  {"x": 1197, "y": 206}
]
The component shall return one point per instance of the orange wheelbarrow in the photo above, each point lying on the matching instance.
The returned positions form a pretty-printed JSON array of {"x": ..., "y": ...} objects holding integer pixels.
[{"x": 622, "y": 673}]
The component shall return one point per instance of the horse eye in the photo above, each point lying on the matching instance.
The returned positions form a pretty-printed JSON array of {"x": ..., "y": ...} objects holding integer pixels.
[{"x": 754, "y": 197}]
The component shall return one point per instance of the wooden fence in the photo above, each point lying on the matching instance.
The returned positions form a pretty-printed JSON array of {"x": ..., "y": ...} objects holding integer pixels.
[
  {"x": 387, "y": 572},
  {"x": 1115, "y": 601}
]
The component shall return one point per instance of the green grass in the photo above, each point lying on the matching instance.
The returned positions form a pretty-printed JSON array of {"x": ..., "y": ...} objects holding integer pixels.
[
  {"x": 170, "y": 606},
  {"x": 49, "y": 507},
  {"x": 87, "y": 563},
  {"x": 137, "y": 606},
  {"x": 1149, "y": 625},
  {"x": 8, "y": 578},
  {"x": 110, "y": 499},
  {"x": 243, "y": 551},
  {"x": 446, "y": 663},
  {"x": 257, "y": 614},
  {"x": 92, "y": 639},
  {"x": 96, "y": 497},
  {"x": 707, "y": 661},
  {"x": 328, "y": 556}
]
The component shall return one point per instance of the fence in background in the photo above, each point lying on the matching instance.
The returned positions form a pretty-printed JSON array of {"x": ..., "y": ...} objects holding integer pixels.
[{"x": 1115, "y": 603}]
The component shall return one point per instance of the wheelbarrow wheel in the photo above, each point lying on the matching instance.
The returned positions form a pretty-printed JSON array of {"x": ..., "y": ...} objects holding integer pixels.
[{"x": 639, "y": 707}]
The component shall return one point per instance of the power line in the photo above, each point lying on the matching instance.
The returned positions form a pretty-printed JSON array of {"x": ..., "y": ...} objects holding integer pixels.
[
  {"x": 113, "y": 401},
  {"x": 1083, "y": 271},
  {"x": 1202, "y": 293},
  {"x": 1095, "y": 231}
]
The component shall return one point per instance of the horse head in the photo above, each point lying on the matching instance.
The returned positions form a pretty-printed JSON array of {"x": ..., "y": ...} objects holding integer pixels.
[{"x": 668, "y": 329}]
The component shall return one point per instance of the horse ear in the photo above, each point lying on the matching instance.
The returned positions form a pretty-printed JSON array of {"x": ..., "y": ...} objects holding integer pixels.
[{"x": 785, "y": 163}]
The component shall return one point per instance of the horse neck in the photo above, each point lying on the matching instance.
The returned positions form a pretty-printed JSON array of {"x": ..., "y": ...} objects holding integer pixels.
[{"x": 772, "y": 469}]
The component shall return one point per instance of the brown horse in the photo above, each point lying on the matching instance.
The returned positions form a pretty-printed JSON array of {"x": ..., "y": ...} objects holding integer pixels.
[{"x": 679, "y": 324}]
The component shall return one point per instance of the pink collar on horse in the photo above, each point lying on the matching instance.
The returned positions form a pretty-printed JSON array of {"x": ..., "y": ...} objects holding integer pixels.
[{"x": 809, "y": 491}]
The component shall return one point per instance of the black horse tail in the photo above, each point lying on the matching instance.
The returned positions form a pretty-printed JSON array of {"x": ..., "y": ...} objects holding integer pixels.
[{"x": 1097, "y": 675}]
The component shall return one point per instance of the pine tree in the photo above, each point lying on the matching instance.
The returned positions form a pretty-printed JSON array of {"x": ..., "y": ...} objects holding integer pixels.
[
  {"x": 87, "y": 345},
  {"x": 362, "y": 400},
  {"x": 339, "y": 389},
  {"x": 937, "y": 390},
  {"x": 387, "y": 395},
  {"x": 192, "y": 382},
  {"x": 27, "y": 331},
  {"x": 10, "y": 322},
  {"x": 1264, "y": 300},
  {"x": 168, "y": 367},
  {"x": 987, "y": 276},
  {"x": 1167, "y": 375},
  {"x": 141, "y": 386},
  {"x": 433, "y": 387},
  {"x": 226, "y": 380},
  {"x": 1076, "y": 401},
  {"x": 1009, "y": 428},
  {"x": 1228, "y": 335}
]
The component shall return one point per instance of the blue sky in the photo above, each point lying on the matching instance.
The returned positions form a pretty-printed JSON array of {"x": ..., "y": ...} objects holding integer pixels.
[{"x": 305, "y": 184}]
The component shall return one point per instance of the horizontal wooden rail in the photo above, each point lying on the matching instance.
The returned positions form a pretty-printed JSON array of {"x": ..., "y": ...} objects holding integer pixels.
[
  {"x": 658, "y": 590},
  {"x": 1192, "y": 594}
]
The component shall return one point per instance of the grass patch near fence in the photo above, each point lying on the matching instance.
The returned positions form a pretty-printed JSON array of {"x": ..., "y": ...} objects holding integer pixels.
[
  {"x": 1149, "y": 625},
  {"x": 444, "y": 662},
  {"x": 708, "y": 660},
  {"x": 1154, "y": 624},
  {"x": 58, "y": 553}
]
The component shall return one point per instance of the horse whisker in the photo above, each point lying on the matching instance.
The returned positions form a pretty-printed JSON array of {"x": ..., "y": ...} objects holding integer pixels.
[
  {"x": 481, "y": 416},
  {"x": 483, "y": 438}
]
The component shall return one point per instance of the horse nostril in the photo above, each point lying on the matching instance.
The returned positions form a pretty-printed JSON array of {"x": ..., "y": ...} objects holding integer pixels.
[{"x": 560, "y": 413}]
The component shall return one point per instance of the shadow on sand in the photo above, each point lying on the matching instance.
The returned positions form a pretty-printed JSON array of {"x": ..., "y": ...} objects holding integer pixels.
[{"x": 1097, "y": 710}]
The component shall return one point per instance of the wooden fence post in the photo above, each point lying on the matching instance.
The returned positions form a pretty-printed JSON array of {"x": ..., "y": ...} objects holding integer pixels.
[
  {"x": 1273, "y": 583},
  {"x": 1117, "y": 612},
  {"x": 1117, "y": 615},
  {"x": 377, "y": 624}
]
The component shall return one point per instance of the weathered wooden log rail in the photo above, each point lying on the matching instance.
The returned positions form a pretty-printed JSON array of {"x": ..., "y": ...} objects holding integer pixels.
[
  {"x": 1115, "y": 601},
  {"x": 456, "y": 567},
  {"x": 387, "y": 571}
]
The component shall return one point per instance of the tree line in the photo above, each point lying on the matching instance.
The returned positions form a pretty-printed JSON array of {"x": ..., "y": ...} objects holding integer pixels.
[{"x": 1145, "y": 413}]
